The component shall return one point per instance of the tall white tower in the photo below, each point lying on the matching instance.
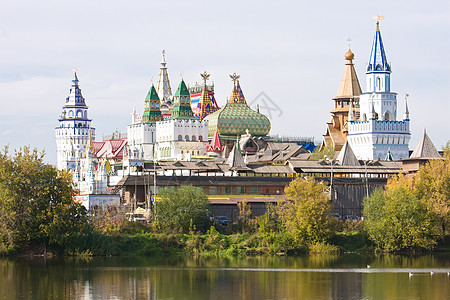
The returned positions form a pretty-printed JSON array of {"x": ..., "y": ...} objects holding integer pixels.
[
  {"x": 378, "y": 131},
  {"x": 72, "y": 134}
]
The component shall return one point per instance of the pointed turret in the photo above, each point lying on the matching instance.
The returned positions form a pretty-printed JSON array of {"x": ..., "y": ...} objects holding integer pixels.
[
  {"x": 351, "y": 117},
  {"x": 373, "y": 114},
  {"x": 349, "y": 87},
  {"x": 378, "y": 60},
  {"x": 389, "y": 156},
  {"x": 216, "y": 144},
  {"x": 425, "y": 148},
  {"x": 75, "y": 97},
  {"x": 163, "y": 84},
  {"x": 406, "y": 113},
  {"x": 347, "y": 157},
  {"x": 90, "y": 150},
  {"x": 182, "y": 103},
  {"x": 152, "y": 112},
  {"x": 236, "y": 95},
  {"x": 235, "y": 160},
  {"x": 205, "y": 104}
]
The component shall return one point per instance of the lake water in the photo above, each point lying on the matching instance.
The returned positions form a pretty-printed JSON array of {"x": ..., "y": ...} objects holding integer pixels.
[{"x": 306, "y": 277}]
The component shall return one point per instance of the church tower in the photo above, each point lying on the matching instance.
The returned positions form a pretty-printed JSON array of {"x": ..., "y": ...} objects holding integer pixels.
[
  {"x": 141, "y": 133},
  {"x": 346, "y": 106},
  {"x": 74, "y": 129},
  {"x": 378, "y": 132},
  {"x": 163, "y": 88},
  {"x": 181, "y": 136}
]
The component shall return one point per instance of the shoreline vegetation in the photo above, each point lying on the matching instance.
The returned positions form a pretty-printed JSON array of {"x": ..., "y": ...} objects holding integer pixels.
[{"x": 39, "y": 217}]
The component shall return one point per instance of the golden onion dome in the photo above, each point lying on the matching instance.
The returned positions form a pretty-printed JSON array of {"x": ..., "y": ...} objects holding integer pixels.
[{"x": 349, "y": 55}]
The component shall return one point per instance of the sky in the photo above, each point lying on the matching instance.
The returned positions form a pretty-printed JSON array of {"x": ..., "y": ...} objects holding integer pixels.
[{"x": 291, "y": 51}]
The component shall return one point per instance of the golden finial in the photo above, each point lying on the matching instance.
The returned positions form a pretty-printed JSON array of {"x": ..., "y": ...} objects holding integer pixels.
[
  {"x": 235, "y": 77},
  {"x": 205, "y": 76},
  {"x": 75, "y": 70},
  {"x": 181, "y": 75},
  {"x": 378, "y": 18}
]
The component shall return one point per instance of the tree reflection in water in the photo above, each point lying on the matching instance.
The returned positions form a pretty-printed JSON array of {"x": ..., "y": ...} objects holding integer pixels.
[{"x": 309, "y": 276}]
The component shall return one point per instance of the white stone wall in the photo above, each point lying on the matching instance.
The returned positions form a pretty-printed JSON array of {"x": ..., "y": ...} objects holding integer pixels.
[
  {"x": 71, "y": 142},
  {"x": 141, "y": 138},
  {"x": 386, "y": 102},
  {"x": 181, "y": 130},
  {"x": 373, "y": 139}
]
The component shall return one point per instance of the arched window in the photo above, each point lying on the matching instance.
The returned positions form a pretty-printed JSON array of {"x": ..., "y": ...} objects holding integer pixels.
[
  {"x": 378, "y": 83},
  {"x": 194, "y": 138},
  {"x": 364, "y": 117},
  {"x": 180, "y": 137},
  {"x": 200, "y": 138},
  {"x": 186, "y": 138},
  {"x": 79, "y": 114},
  {"x": 70, "y": 113},
  {"x": 386, "y": 116}
]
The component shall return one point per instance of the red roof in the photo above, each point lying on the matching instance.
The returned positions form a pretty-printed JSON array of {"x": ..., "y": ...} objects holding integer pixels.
[
  {"x": 216, "y": 144},
  {"x": 110, "y": 148}
]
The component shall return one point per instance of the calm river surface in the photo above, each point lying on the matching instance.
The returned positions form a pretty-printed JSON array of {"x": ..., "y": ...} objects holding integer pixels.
[{"x": 307, "y": 277}]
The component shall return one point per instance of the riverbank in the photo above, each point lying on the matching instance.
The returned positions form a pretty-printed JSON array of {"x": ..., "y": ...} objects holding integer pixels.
[{"x": 139, "y": 240}]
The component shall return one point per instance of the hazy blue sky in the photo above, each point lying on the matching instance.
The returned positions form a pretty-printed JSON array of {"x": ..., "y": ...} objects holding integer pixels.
[{"x": 293, "y": 51}]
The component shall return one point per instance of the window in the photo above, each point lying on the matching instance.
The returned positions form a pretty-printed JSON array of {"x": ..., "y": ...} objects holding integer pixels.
[
  {"x": 186, "y": 138},
  {"x": 226, "y": 190},
  {"x": 180, "y": 137},
  {"x": 213, "y": 190},
  {"x": 200, "y": 138},
  {"x": 194, "y": 138},
  {"x": 254, "y": 190},
  {"x": 241, "y": 190}
]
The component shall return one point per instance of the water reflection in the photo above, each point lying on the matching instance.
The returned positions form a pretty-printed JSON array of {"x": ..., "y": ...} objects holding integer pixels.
[{"x": 306, "y": 277}]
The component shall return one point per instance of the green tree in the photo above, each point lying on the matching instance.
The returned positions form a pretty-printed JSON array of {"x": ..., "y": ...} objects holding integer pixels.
[
  {"x": 327, "y": 151},
  {"x": 397, "y": 219},
  {"x": 305, "y": 212},
  {"x": 177, "y": 207},
  {"x": 432, "y": 183},
  {"x": 36, "y": 202}
]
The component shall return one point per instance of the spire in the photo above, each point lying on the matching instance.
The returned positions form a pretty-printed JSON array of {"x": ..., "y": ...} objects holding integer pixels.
[
  {"x": 90, "y": 150},
  {"x": 349, "y": 86},
  {"x": 378, "y": 61},
  {"x": 163, "y": 84},
  {"x": 351, "y": 117},
  {"x": 205, "y": 103},
  {"x": 406, "y": 113},
  {"x": 75, "y": 97},
  {"x": 182, "y": 103},
  {"x": 236, "y": 95},
  {"x": 152, "y": 112}
]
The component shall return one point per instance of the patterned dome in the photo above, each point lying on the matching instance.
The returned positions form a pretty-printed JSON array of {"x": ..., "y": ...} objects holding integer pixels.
[{"x": 235, "y": 118}]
